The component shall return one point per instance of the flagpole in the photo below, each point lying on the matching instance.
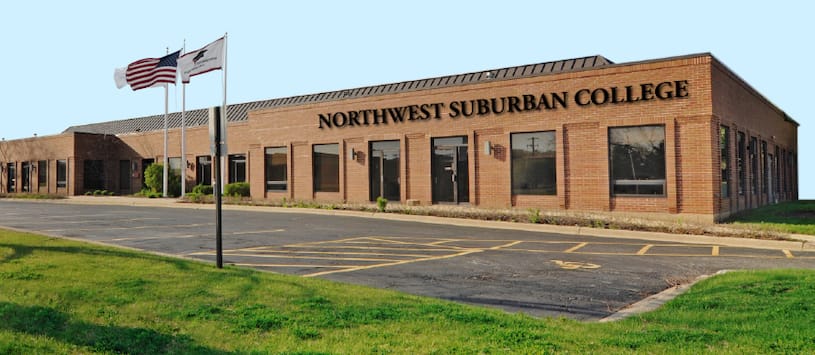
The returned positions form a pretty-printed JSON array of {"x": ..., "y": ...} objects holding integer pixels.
[
  {"x": 226, "y": 116},
  {"x": 183, "y": 131},
  {"x": 166, "y": 160}
]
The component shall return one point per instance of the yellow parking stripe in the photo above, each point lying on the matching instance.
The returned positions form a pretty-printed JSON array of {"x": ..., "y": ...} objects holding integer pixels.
[
  {"x": 507, "y": 245},
  {"x": 303, "y": 257},
  {"x": 714, "y": 251},
  {"x": 296, "y": 265},
  {"x": 394, "y": 263},
  {"x": 788, "y": 253},
  {"x": 644, "y": 249},
  {"x": 574, "y": 248},
  {"x": 344, "y": 253}
]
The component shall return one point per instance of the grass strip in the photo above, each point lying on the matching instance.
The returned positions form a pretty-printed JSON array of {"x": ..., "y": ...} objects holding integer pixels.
[
  {"x": 790, "y": 217},
  {"x": 65, "y": 297}
]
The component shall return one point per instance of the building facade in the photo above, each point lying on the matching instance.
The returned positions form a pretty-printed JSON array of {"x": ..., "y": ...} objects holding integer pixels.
[{"x": 681, "y": 136}]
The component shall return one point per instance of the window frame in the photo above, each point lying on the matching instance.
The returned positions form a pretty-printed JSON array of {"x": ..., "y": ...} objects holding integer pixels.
[
  {"x": 318, "y": 184},
  {"x": 636, "y": 182},
  {"x": 269, "y": 169},
  {"x": 550, "y": 135},
  {"x": 232, "y": 161},
  {"x": 62, "y": 184},
  {"x": 724, "y": 157},
  {"x": 42, "y": 176}
]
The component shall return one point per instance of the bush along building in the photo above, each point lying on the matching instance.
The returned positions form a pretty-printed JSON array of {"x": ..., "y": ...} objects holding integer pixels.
[{"x": 676, "y": 137}]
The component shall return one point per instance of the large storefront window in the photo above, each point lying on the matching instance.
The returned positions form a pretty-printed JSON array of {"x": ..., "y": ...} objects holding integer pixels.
[
  {"x": 637, "y": 160},
  {"x": 724, "y": 148},
  {"x": 94, "y": 175},
  {"x": 237, "y": 168},
  {"x": 533, "y": 163},
  {"x": 326, "y": 169},
  {"x": 276, "y": 169}
]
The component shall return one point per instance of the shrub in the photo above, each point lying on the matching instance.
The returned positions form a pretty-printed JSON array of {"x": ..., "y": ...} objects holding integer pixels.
[
  {"x": 381, "y": 203},
  {"x": 154, "y": 179},
  {"x": 237, "y": 189},
  {"x": 197, "y": 197},
  {"x": 202, "y": 189},
  {"x": 534, "y": 215}
]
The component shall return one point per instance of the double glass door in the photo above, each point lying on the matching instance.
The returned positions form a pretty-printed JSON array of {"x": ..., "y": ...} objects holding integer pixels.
[{"x": 450, "y": 170}]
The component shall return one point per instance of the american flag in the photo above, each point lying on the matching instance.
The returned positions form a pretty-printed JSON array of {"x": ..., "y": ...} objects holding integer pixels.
[{"x": 152, "y": 72}]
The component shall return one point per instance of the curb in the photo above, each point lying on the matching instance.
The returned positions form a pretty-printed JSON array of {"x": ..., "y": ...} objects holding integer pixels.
[
  {"x": 802, "y": 242},
  {"x": 653, "y": 302}
]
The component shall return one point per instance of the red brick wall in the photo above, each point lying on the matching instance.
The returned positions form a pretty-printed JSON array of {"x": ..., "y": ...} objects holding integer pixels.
[
  {"x": 742, "y": 109},
  {"x": 714, "y": 96}
]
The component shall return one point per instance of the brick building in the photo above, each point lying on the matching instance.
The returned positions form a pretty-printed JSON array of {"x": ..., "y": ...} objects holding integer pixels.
[{"x": 681, "y": 136}]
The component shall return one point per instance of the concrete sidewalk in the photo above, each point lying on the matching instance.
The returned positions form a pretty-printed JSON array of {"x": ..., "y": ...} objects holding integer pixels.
[{"x": 798, "y": 242}]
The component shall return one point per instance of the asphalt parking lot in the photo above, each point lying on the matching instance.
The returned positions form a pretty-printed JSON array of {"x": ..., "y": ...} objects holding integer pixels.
[{"x": 532, "y": 271}]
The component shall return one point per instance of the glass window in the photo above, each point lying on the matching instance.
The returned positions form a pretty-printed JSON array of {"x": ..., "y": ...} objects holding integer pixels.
[
  {"x": 11, "y": 177},
  {"x": 724, "y": 147},
  {"x": 754, "y": 164},
  {"x": 637, "y": 160},
  {"x": 124, "y": 175},
  {"x": 25, "y": 172},
  {"x": 94, "y": 175},
  {"x": 765, "y": 166},
  {"x": 326, "y": 169},
  {"x": 62, "y": 173},
  {"x": 740, "y": 143},
  {"x": 237, "y": 168},
  {"x": 174, "y": 165},
  {"x": 276, "y": 174},
  {"x": 203, "y": 170},
  {"x": 533, "y": 163},
  {"x": 42, "y": 173}
]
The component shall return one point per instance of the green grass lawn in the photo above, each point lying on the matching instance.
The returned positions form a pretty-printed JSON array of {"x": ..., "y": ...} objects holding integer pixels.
[
  {"x": 60, "y": 296},
  {"x": 789, "y": 217}
]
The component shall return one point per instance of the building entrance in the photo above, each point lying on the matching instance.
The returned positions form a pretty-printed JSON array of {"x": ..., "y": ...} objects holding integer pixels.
[
  {"x": 11, "y": 180},
  {"x": 384, "y": 170},
  {"x": 449, "y": 170},
  {"x": 26, "y": 172}
]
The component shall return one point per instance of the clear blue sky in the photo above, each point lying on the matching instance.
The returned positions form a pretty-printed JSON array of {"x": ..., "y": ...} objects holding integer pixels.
[{"x": 58, "y": 58}]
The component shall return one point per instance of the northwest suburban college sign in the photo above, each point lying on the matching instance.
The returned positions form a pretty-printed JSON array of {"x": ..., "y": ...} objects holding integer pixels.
[{"x": 666, "y": 90}]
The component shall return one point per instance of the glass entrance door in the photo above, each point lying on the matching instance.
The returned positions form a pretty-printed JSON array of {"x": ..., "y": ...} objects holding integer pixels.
[
  {"x": 450, "y": 171},
  {"x": 11, "y": 180},
  {"x": 384, "y": 170},
  {"x": 26, "y": 172}
]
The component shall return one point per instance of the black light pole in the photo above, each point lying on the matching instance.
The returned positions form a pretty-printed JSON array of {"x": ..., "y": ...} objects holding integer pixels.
[{"x": 215, "y": 122}]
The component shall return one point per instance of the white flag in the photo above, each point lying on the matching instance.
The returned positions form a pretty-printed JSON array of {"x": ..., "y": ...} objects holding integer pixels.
[
  {"x": 204, "y": 60},
  {"x": 119, "y": 75}
]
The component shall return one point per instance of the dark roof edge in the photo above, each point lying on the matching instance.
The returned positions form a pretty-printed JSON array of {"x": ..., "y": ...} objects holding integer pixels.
[{"x": 452, "y": 80}]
